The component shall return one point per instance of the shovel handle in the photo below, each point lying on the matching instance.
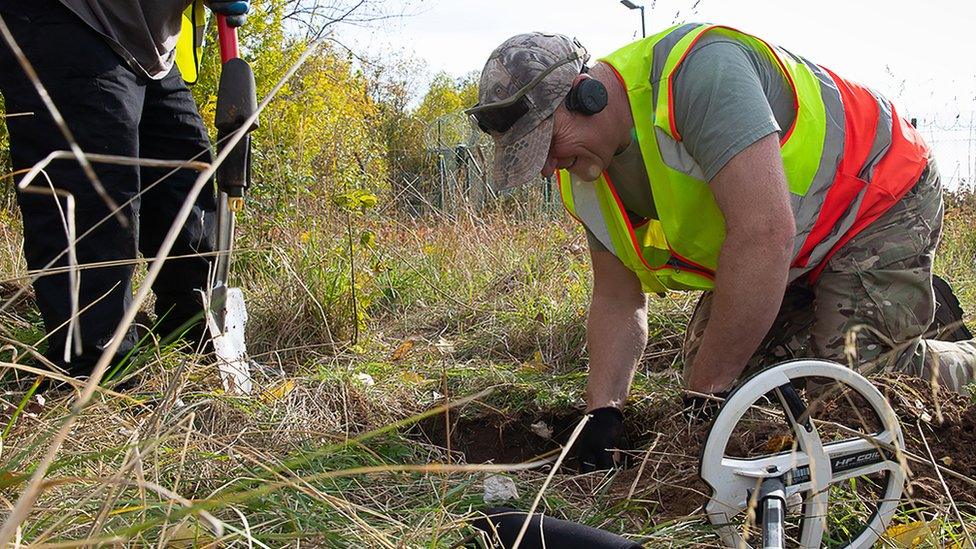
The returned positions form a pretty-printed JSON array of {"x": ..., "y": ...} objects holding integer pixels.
[{"x": 227, "y": 36}]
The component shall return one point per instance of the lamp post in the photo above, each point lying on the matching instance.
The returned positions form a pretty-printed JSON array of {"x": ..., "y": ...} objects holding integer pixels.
[{"x": 630, "y": 5}]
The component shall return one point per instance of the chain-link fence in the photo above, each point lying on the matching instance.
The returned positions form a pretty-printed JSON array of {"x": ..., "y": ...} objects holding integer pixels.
[
  {"x": 952, "y": 136},
  {"x": 456, "y": 178}
]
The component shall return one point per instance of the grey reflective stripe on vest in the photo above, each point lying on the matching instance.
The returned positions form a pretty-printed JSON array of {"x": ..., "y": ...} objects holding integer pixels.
[
  {"x": 661, "y": 51},
  {"x": 673, "y": 153},
  {"x": 589, "y": 212},
  {"x": 676, "y": 156},
  {"x": 880, "y": 146},
  {"x": 198, "y": 36},
  {"x": 882, "y": 138},
  {"x": 199, "y": 32},
  {"x": 840, "y": 228},
  {"x": 806, "y": 208}
]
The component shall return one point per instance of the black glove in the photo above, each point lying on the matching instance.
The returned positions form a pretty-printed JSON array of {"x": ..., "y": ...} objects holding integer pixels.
[
  {"x": 503, "y": 524},
  {"x": 602, "y": 433},
  {"x": 699, "y": 409},
  {"x": 235, "y": 10}
]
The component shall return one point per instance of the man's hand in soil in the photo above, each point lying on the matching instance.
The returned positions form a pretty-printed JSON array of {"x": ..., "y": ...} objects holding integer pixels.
[{"x": 597, "y": 446}]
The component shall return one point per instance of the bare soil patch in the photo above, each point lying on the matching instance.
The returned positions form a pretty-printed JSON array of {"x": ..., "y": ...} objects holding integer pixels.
[{"x": 663, "y": 474}]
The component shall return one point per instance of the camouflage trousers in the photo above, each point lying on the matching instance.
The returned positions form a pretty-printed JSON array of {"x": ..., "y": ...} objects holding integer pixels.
[{"x": 871, "y": 306}]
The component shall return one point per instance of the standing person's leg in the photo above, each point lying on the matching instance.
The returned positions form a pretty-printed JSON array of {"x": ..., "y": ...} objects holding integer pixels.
[
  {"x": 101, "y": 100},
  {"x": 172, "y": 129},
  {"x": 874, "y": 301}
]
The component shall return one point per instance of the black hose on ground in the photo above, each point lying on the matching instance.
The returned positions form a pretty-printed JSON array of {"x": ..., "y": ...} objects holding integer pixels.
[{"x": 502, "y": 524}]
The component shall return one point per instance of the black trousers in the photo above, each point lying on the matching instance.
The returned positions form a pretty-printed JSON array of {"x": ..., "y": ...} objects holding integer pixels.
[{"x": 111, "y": 111}]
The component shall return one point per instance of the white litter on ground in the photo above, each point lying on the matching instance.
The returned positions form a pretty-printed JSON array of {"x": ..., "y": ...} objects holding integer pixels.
[{"x": 499, "y": 489}]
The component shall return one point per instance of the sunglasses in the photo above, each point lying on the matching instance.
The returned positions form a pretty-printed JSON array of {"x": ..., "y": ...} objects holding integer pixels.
[{"x": 500, "y": 116}]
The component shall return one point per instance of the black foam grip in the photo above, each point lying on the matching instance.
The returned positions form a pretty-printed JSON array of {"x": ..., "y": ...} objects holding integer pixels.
[{"x": 236, "y": 96}]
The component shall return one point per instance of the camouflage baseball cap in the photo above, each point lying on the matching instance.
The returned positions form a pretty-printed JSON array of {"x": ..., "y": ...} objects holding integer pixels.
[{"x": 522, "y": 84}]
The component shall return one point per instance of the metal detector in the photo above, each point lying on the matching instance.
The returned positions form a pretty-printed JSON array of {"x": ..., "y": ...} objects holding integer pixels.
[
  {"x": 226, "y": 314},
  {"x": 834, "y": 485}
]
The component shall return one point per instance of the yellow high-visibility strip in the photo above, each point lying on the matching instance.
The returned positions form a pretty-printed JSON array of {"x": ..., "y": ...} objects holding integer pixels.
[{"x": 189, "y": 44}]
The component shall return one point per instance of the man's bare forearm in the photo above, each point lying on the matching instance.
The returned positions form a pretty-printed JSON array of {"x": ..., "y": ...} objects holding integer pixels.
[
  {"x": 748, "y": 294},
  {"x": 616, "y": 332},
  {"x": 753, "y": 265}
]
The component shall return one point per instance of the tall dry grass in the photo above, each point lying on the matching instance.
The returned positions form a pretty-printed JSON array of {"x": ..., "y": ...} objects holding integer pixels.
[{"x": 481, "y": 306}]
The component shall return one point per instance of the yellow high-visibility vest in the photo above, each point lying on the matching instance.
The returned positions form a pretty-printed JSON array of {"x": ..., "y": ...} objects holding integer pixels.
[
  {"x": 847, "y": 158},
  {"x": 189, "y": 44}
]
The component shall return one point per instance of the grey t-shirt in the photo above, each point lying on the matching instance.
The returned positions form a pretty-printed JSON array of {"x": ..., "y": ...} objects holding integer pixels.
[
  {"x": 726, "y": 97},
  {"x": 142, "y": 32},
  {"x": 629, "y": 177}
]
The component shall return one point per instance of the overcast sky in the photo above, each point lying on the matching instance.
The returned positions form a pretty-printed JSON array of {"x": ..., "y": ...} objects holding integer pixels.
[
  {"x": 920, "y": 54},
  {"x": 928, "y": 46}
]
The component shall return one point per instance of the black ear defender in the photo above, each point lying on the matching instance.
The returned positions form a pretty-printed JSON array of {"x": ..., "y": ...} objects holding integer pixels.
[{"x": 587, "y": 97}]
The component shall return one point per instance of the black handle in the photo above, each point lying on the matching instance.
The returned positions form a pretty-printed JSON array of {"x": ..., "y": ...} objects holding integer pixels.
[{"x": 236, "y": 102}]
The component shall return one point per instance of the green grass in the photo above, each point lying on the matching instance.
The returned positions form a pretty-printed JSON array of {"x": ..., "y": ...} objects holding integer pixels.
[{"x": 445, "y": 310}]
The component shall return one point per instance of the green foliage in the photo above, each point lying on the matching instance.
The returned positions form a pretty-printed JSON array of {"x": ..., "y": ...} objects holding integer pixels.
[
  {"x": 403, "y": 129},
  {"x": 319, "y": 129},
  {"x": 317, "y": 155},
  {"x": 957, "y": 249},
  {"x": 354, "y": 200},
  {"x": 447, "y": 95}
]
